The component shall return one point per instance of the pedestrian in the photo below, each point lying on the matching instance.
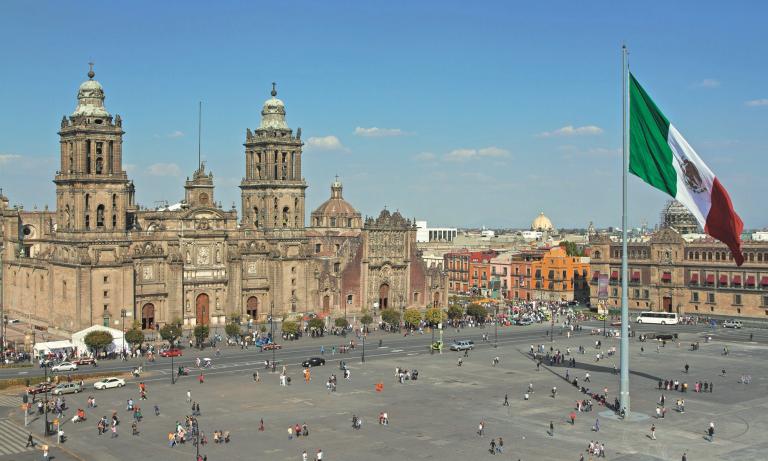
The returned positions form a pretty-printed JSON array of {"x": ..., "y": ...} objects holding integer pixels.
[
  {"x": 261, "y": 425},
  {"x": 157, "y": 410},
  {"x": 500, "y": 446},
  {"x": 711, "y": 430},
  {"x": 319, "y": 455},
  {"x": 201, "y": 378},
  {"x": 492, "y": 449},
  {"x": 304, "y": 456},
  {"x": 686, "y": 368},
  {"x": 290, "y": 432},
  {"x": 711, "y": 387},
  {"x": 685, "y": 457},
  {"x": 189, "y": 396},
  {"x": 30, "y": 441},
  {"x": 506, "y": 400},
  {"x": 551, "y": 429},
  {"x": 480, "y": 428},
  {"x": 597, "y": 424},
  {"x": 653, "y": 432},
  {"x": 114, "y": 429},
  {"x": 573, "y": 417},
  {"x": 586, "y": 378}
]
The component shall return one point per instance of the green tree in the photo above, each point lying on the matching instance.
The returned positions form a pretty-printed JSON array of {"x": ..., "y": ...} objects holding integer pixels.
[
  {"x": 434, "y": 315},
  {"x": 134, "y": 336},
  {"x": 477, "y": 311},
  {"x": 341, "y": 322},
  {"x": 391, "y": 316},
  {"x": 201, "y": 332},
  {"x": 316, "y": 323},
  {"x": 232, "y": 330},
  {"x": 170, "y": 332},
  {"x": 290, "y": 327},
  {"x": 98, "y": 340},
  {"x": 455, "y": 312},
  {"x": 366, "y": 319},
  {"x": 234, "y": 318},
  {"x": 571, "y": 249},
  {"x": 263, "y": 328},
  {"x": 412, "y": 317}
]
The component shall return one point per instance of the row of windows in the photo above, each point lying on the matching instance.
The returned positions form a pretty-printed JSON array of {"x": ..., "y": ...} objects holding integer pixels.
[{"x": 332, "y": 222}]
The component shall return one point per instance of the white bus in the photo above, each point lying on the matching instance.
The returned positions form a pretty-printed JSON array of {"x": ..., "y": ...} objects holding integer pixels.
[{"x": 663, "y": 318}]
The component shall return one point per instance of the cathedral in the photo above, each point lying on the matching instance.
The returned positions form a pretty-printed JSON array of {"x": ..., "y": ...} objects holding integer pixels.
[{"x": 98, "y": 258}]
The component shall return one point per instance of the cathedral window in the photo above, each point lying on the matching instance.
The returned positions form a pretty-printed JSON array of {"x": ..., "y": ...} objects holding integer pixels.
[
  {"x": 203, "y": 197},
  {"x": 336, "y": 267},
  {"x": 100, "y": 216},
  {"x": 114, "y": 221},
  {"x": 63, "y": 289},
  {"x": 349, "y": 222},
  {"x": 256, "y": 216},
  {"x": 318, "y": 247},
  {"x": 87, "y": 201},
  {"x": 333, "y": 222},
  {"x": 286, "y": 212},
  {"x": 87, "y": 222},
  {"x": 114, "y": 201},
  {"x": 87, "y": 156}
]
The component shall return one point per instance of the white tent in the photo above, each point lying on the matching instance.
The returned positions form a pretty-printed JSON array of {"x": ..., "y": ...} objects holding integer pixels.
[
  {"x": 78, "y": 339},
  {"x": 53, "y": 347}
]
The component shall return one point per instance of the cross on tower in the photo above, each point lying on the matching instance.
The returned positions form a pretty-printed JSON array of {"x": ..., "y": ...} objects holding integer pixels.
[{"x": 91, "y": 73}]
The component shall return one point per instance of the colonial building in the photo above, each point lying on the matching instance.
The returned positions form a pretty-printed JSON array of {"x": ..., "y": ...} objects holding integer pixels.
[
  {"x": 99, "y": 258},
  {"x": 668, "y": 273}
]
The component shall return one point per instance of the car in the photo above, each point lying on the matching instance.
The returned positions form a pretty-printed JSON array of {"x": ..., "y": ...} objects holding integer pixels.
[
  {"x": 170, "y": 352},
  {"x": 84, "y": 361},
  {"x": 107, "y": 383},
  {"x": 270, "y": 346},
  {"x": 40, "y": 389},
  {"x": 732, "y": 324},
  {"x": 67, "y": 388},
  {"x": 524, "y": 321},
  {"x": 313, "y": 362},
  {"x": 462, "y": 345},
  {"x": 64, "y": 366}
]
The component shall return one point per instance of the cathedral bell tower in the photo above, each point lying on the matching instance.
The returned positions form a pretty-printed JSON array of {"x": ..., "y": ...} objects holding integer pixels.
[
  {"x": 273, "y": 190},
  {"x": 93, "y": 193}
]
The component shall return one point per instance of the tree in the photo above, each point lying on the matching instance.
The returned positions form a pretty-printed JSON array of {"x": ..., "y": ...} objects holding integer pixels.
[
  {"x": 433, "y": 316},
  {"x": 234, "y": 318},
  {"x": 316, "y": 323},
  {"x": 455, "y": 312},
  {"x": 571, "y": 249},
  {"x": 366, "y": 319},
  {"x": 290, "y": 327},
  {"x": 170, "y": 332},
  {"x": 477, "y": 311},
  {"x": 232, "y": 330},
  {"x": 134, "y": 336},
  {"x": 98, "y": 340},
  {"x": 263, "y": 328},
  {"x": 341, "y": 322},
  {"x": 201, "y": 332},
  {"x": 412, "y": 317},
  {"x": 390, "y": 316}
]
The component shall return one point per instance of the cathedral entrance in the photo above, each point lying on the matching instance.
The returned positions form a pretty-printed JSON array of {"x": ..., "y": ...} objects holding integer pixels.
[
  {"x": 203, "y": 309},
  {"x": 436, "y": 300},
  {"x": 148, "y": 317},
  {"x": 383, "y": 296},
  {"x": 326, "y": 304},
  {"x": 252, "y": 307}
]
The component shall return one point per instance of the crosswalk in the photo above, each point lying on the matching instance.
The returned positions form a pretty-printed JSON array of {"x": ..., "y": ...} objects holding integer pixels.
[
  {"x": 12, "y": 438},
  {"x": 7, "y": 400}
]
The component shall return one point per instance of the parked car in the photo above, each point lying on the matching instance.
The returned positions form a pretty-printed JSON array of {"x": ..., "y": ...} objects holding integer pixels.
[
  {"x": 107, "y": 383},
  {"x": 732, "y": 324},
  {"x": 67, "y": 388},
  {"x": 524, "y": 321},
  {"x": 40, "y": 389},
  {"x": 64, "y": 366},
  {"x": 270, "y": 346},
  {"x": 313, "y": 362},
  {"x": 462, "y": 345},
  {"x": 84, "y": 361},
  {"x": 170, "y": 352}
]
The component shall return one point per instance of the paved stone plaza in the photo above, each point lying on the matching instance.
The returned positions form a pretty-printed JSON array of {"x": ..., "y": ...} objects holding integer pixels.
[{"x": 437, "y": 416}]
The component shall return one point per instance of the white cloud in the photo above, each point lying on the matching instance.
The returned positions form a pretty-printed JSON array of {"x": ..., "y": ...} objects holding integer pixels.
[
  {"x": 757, "y": 102},
  {"x": 461, "y": 155},
  {"x": 570, "y": 130},
  {"x": 375, "y": 132},
  {"x": 329, "y": 142},
  {"x": 425, "y": 156},
  {"x": 164, "y": 169},
  {"x": 129, "y": 167},
  {"x": 8, "y": 158},
  {"x": 175, "y": 134},
  {"x": 708, "y": 83}
]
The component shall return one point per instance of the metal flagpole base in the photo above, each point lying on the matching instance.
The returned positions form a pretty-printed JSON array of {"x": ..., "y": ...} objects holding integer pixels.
[{"x": 634, "y": 417}]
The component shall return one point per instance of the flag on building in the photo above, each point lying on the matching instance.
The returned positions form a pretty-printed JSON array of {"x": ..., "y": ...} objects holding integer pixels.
[{"x": 660, "y": 156}]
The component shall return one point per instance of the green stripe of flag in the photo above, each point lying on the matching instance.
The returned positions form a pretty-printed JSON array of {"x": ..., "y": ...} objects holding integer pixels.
[{"x": 650, "y": 157}]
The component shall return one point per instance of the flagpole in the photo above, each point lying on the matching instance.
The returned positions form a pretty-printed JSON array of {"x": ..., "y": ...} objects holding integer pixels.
[{"x": 624, "y": 345}]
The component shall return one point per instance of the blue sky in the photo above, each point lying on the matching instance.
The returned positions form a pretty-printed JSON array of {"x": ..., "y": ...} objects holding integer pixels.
[{"x": 486, "y": 112}]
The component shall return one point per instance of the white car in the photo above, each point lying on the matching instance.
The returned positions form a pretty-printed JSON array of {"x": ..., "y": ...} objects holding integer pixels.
[
  {"x": 107, "y": 383},
  {"x": 64, "y": 366},
  {"x": 732, "y": 324}
]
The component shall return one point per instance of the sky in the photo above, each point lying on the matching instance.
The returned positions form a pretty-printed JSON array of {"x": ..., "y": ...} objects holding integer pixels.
[{"x": 464, "y": 114}]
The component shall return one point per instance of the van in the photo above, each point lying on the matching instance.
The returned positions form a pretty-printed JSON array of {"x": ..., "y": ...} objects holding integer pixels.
[
  {"x": 462, "y": 345},
  {"x": 67, "y": 388}
]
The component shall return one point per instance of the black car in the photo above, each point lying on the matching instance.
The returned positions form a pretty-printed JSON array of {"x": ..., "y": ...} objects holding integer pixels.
[{"x": 313, "y": 362}]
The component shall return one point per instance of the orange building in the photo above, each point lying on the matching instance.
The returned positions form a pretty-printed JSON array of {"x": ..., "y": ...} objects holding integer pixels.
[
  {"x": 468, "y": 270},
  {"x": 549, "y": 275}
]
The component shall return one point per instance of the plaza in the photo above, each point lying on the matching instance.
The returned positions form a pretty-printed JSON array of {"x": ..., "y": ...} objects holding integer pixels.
[{"x": 437, "y": 416}]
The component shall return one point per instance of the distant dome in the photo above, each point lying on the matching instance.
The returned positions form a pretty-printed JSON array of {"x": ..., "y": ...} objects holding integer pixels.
[
  {"x": 542, "y": 223},
  {"x": 675, "y": 215},
  {"x": 90, "y": 98},
  {"x": 273, "y": 113},
  {"x": 336, "y": 212}
]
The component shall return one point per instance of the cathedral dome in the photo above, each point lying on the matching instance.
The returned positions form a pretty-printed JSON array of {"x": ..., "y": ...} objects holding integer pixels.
[
  {"x": 90, "y": 98},
  {"x": 542, "y": 223},
  {"x": 273, "y": 113},
  {"x": 336, "y": 212}
]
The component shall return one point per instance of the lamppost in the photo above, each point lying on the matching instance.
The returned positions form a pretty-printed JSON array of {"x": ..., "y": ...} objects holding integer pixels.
[
  {"x": 552, "y": 324},
  {"x": 45, "y": 431},
  {"x": 123, "y": 314},
  {"x": 272, "y": 331},
  {"x": 196, "y": 431},
  {"x": 363, "y": 347}
]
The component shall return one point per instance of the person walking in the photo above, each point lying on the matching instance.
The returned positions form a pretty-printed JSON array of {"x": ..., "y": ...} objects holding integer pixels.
[
  {"x": 492, "y": 449},
  {"x": 189, "y": 396},
  {"x": 597, "y": 424},
  {"x": 304, "y": 456},
  {"x": 685, "y": 457},
  {"x": 481, "y": 428},
  {"x": 551, "y": 429},
  {"x": 30, "y": 441},
  {"x": 506, "y": 400},
  {"x": 653, "y": 432},
  {"x": 711, "y": 430},
  {"x": 500, "y": 446},
  {"x": 319, "y": 455},
  {"x": 573, "y": 417}
]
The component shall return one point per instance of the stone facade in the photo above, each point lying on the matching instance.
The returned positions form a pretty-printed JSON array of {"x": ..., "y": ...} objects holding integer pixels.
[
  {"x": 668, "y": 273},
  {"x": 99, "y": 257}
]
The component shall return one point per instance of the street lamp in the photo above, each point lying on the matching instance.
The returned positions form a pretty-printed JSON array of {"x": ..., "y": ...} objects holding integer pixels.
[
  {"x": 363, "y": 347},
  {"x": 123, "y": 314},
  {"x": 46, "y": 399},
  {"x": 272, "y": 330}
]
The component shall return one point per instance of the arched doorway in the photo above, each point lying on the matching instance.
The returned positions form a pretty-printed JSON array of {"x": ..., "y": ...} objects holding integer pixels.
[
  {"x": 436, "y": 299},
  {"x": 203, "y": 310},
  {"x": 148, "y": 317},
  {"x": 383, "y": 296},
  {"x": 252, "y": 307},
  {"x": 326, "y": 304}
]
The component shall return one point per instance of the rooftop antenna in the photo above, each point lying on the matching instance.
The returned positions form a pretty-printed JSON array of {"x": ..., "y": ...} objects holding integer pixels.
[{"x": 199, "y": 133}]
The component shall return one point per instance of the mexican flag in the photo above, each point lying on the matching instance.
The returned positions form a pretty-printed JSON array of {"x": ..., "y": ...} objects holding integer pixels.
[{"x": 660, "y": 156}]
